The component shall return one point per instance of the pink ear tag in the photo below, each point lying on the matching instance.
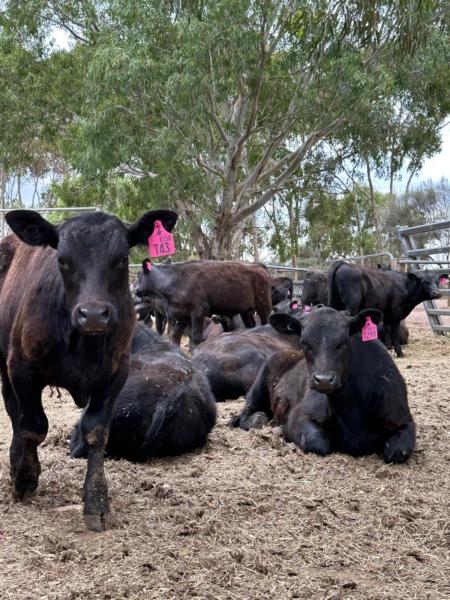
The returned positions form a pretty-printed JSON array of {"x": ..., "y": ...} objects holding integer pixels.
[
  {"x": 443, "y": 280},
  {"x": 148, "y": 265},
  {"x": 160, "y": 243},
  {"x": 369, "y": 331},
  {"x": 306, "y": 308}
]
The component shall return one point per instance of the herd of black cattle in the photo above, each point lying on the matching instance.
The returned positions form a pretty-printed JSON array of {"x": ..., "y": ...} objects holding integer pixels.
[{"x": 68, "y": 319}]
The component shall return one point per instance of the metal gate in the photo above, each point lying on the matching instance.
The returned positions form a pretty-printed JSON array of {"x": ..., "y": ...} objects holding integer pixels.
[{"x": 426, "y": 257}]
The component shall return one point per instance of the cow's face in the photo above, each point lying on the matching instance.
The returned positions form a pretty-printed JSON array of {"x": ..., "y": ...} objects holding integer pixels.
[
  {"x": 324, "y": 335},
  {"x": 92, "y": 254},
  {"x": 426, "y": 283},
  {"x": 314, "y": 289}
]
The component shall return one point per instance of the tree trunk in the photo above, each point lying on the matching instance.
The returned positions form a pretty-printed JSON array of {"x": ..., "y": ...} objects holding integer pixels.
[
  {"x": 225, "y": 243},
  {"x": 255, "y": 238},
  {"x": 374, "y": 208},
  {"x": 3, "y": 180}
]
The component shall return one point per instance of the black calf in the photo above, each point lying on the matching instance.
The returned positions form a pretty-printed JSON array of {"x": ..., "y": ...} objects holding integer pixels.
[
  {"x": 166, "y": 407},
  {"x": 349, "y": 395}
]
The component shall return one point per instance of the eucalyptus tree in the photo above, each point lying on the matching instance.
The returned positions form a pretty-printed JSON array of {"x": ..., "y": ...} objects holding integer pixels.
[{"x": 216, "y": 106}]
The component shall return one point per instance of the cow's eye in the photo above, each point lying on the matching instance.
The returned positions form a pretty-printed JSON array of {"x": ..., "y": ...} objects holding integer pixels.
[
  {"x": 64, "y": 265},
  {"x": 120, "y": 263}
]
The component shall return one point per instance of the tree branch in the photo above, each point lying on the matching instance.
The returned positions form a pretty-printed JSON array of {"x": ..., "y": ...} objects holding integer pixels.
[{"x": 295, "y": 158}]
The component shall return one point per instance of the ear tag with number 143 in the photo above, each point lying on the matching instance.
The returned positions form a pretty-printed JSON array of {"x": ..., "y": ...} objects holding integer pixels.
[
  {"x": 160, "y": 243},
  {"x": 369, "y": 331}
]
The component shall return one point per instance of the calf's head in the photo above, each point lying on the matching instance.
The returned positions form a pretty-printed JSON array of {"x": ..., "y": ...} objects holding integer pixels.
[
  {"x": 314, "y": 289},
  {"x": 425, "y": 284},
  {"x": 92, "y": 254},
  {"x": 324, "y": 335}
]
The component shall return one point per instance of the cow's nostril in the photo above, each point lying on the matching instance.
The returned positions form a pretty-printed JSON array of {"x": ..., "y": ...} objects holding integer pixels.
[
  {"x": 82, "y": 314},
  {"x": 94, "y": 317},
  {"x": 321, "y": 378}
]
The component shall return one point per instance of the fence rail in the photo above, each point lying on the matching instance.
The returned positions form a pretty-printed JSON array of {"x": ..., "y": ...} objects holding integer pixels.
[{"x": 414, "y": 255}]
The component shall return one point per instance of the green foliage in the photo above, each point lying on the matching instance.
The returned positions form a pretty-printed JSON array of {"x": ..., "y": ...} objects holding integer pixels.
[{"x": 217, "y": 107}]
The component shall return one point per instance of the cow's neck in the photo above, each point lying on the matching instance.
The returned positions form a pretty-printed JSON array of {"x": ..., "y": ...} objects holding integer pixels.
[
  {"x": 161, "y": 279},
  {"x": 414, "y": 297}
]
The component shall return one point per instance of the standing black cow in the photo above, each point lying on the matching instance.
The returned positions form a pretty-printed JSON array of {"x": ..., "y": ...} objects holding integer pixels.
[
  {"x": 396, "y": 294},
  {"x": 344, "y": 395},
  {"x": 165, "y": 408},
  {"x": 66, "y": 320},
  {"x": 315, "y": 288}
]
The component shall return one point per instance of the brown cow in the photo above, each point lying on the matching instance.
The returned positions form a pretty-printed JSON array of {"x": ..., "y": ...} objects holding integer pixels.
[
  {"x": 232, "y": 360},
  {"x": 197, "y": 289},
  {"x": 66, "y": 320}
]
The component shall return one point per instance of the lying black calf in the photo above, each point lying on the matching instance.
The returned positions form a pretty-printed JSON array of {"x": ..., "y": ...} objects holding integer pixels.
[
  {"x": 341, "y": 394},
  {"x": 165, "y": 408}
]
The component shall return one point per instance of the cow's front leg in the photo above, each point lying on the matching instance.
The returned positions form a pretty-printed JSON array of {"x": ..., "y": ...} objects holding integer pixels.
[
  {"x": 29, "y": 428},
  {"x": 257, "y": 410},
  {"x": 400, "y": 444},
  {"x": 306, "y": 425},
  {"x": 177, "y": 329},
  {"x": 95, "y": 426},
  {"x": 395, "y": 339},
  {"x": 198, "y": 323}
]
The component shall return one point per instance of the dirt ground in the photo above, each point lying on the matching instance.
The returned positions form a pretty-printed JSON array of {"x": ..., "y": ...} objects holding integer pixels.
[{"x": 248, "y": 517}]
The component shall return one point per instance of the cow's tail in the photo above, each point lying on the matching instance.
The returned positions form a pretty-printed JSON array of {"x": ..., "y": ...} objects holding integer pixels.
[
  {"x": 334, "y": 298},
  {"x": 159, "y": 432}
]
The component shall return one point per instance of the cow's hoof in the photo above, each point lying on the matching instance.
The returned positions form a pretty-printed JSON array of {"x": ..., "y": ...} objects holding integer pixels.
[
  {"x": 25, "y": 481},
  {"x": 257, "y": 420},
  {"x": 234, "y": 421},
  {"x": 24, "y": 490},
  {"x": 96, "y": 523},
  {"x": 315, "y": 444},
  {"x": 396, "y": 455}
]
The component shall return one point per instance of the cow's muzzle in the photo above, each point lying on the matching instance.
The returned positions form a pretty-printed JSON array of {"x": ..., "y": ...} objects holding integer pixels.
[
  {"x": 93, "y": 318},
  {"x": 324, "y": 382},
  {"x": 436, "y": 294}
]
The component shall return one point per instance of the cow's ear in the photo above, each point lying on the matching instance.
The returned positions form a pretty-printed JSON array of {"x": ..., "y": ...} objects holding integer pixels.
[
  {"x": 146, "y": 265},
  {"x": 357, "y": 322},
  {"x": 412, "y": 276},
  {"x": 32, "y": 229},
  {"x": 284, "y": 323},
  {"x": 142, "y": 229}
]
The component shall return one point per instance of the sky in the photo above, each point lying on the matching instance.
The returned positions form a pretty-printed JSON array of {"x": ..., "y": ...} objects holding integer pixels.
[{"x": 433, "y": 168}]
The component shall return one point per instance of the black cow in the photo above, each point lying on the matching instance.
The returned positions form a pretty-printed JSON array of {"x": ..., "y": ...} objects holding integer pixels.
[
  {"x": 66, "y": 320},
  {"x": 395, "y": 294},
  {"x": 282, "y": 289},
  {"x": 165, "y": 408},
  {"x": 232, "y": 360},
  {"x": 197, "y": 289},
  {"x": 315, "y": 288},
  {"x": 343, "y": 395}
]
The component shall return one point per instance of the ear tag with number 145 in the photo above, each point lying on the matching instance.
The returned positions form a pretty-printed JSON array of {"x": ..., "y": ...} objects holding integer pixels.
[
  {"x": 369, "y": 331},
  {"x": 160, "y": 243}
]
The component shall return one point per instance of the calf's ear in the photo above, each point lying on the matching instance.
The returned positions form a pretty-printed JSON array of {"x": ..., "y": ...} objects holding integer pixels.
[
  {"x": 142, "y": 229},
  {"x": 412, "y": 276},
  {"x": 32, "y": 229},
  {"x": 284, "y": 323},
  {"x": 357, "y": 322}
]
